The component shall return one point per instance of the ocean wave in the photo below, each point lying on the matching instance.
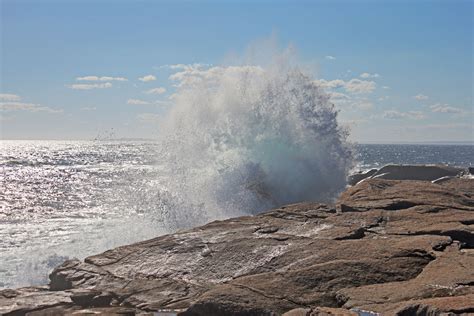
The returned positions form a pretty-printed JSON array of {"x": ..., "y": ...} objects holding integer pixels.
[{"x": 240, "y": 139}]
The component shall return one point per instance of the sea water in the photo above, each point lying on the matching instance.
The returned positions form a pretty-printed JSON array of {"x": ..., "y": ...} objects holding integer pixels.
[{"x": 65, "y": 199}]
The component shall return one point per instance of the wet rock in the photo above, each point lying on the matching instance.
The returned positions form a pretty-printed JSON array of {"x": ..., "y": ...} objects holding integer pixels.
[
  {"x": 91, "y": 299},
  {"x": 29, "y": 299},
  {"x": 434, "y": 173},
  {"x": 416, "y": 172},
  {"x": 418, "y": 310},
  {"x": 299, "y": 312},
  {"x": 83, "y": 298},
  {"x": 357, "y": 177},
  {"x": 388, "y": 246},
  {"x": 267, "y": 230}
]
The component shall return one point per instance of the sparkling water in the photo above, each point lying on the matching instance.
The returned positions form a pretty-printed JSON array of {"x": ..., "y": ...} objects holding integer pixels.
[{"x": 65, "y": 199}]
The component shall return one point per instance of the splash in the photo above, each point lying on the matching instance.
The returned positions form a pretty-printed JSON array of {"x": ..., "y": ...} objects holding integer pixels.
[
  {"x": 241, "y": 139},
  {"x": 237, "y": 140}
]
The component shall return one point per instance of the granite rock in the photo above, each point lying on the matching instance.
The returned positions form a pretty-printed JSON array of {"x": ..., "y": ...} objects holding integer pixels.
[{"x": 386, "y": 246}]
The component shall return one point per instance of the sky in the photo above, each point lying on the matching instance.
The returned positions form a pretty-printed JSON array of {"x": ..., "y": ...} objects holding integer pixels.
[{"x": 398, "y": 71}]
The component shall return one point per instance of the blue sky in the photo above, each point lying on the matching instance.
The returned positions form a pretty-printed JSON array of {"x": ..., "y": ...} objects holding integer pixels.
[{"x": 400, "y": 71}]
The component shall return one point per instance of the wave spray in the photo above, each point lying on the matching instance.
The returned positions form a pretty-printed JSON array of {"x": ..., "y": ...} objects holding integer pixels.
[{"x": 241, "y": 139}]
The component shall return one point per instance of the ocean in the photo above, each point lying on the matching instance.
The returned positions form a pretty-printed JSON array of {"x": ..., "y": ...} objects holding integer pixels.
[{"x": 66, "y": 199}]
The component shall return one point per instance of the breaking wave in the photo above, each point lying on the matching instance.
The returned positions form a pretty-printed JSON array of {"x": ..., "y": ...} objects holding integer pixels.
[{"x": 241, "y": 139}]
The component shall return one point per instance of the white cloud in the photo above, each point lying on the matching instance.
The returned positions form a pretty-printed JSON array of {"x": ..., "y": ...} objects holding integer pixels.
[
  {"x": 89, "y": 108},
  {"x": 194, "y": 74},
  {"x": 367, "y": 75},
  {"x": 147, "y": 78},
  {"x": 420, "y": 97},
  {"x": 331, "y": 84},
  {"x": 360, "y": 86},
  {"x": 87, "y": 86},
  {"x": 337, "y": 96},
  {"x": 9, "y": 97},
  {"x": 185, "y": 66},
  {"x": 159, "y": 90},
  {"x": 353, "y": 85},
  {"x": 396, "y": 115},
  {"x": 349, "y": 100},
  {"x": 137, "y": 102},
  {"x": 385, "y": 87},
  {"x": 445, "y": 108},
  {"x": 29, "y": 107},
  {"x": 383, "y": 98},
  {"x": 148, "y": 117},
  {"x": 330, "y": 57},
  {"x": 11, "y": 104},
  {"x": 103, "y": 78}
]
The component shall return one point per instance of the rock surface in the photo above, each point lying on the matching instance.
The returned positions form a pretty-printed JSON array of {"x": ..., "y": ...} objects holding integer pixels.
[
  {"x": 386, "y": 246},
  {"x": 409, "y": 172}
]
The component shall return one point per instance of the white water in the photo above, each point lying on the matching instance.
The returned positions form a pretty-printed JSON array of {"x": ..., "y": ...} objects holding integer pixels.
[{"x": 241, "y": 139}]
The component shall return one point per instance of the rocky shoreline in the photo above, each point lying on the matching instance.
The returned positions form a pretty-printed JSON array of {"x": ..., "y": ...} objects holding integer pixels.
[{"x": 392, "y": 247}]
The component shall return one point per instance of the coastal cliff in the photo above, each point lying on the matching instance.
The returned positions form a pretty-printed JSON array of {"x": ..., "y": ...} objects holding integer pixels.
[{"x": 386, "y": 246}]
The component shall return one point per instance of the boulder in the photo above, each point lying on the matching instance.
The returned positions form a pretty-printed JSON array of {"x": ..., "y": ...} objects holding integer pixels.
[
  {"x": 438, "y": 173},
  {"x": 31, "y": 299},
  {"x": 359, "y": 176},
  {"x": 416, "y": 172}
]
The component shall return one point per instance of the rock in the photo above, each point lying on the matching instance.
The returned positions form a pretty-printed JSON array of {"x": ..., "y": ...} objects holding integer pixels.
[
  {"x": 357, "y": 177},
  {"x": 387, "y": 246},
  {"x": 108, "y": 311},
  {"x": 446, "y": 277},
  {"x": 442, "y": 179},
  {"x": 416, "y": 172},
  {"x": 29, "y": 299},
  {"x": 320, "y": 311},
  {"x": 91, "y": 299},
  {"x": 418, "y": 310},
  {"x": 298, "y": 312},
  {"x": 436, "y": 173},
  {"x": 83, "y": 298}
]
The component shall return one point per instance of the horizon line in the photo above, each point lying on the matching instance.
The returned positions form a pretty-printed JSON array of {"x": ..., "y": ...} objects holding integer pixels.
[{"x": 366, "y": 142}]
